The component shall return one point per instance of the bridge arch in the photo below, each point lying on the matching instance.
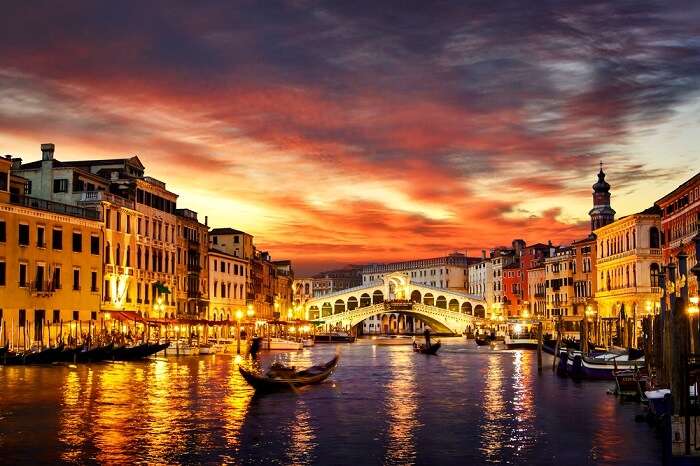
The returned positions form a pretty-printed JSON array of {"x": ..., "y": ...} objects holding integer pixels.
[
  {"x": 441, "y": 302},
  {"x": 467, "y": 308},
  {"x": 314, "y": 313},
  {"x": 453, "y": 305},
  {"x": 415, "y": 296},
  {"x": 428, "y": 299},
  {"x": 377, "y": 297},
  {"x": 352, "y": 303},
  {"x": 326, "y": 310},
  {"x": 365, "y": 300},
  {"x": 339, "y": 306},
  {"x": 480, "y": 311}
]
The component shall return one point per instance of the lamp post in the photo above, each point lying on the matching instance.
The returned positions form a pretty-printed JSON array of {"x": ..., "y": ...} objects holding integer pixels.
[
  {"x": 590, "y": 313},
  {"x": 239, "y": 315},
  {"x": 250, "y": 313}
]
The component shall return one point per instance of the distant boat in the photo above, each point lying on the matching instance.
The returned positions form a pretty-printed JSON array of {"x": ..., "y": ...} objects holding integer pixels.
[
  {"x": 281, "y": 344},
  {"x": 482, "y": 341},
  {"x": 281, "y": 378},
  {"x": 390, "y": 340},
  {"x": 333, "y": 337},
  {"x": 520, "y": 342}
]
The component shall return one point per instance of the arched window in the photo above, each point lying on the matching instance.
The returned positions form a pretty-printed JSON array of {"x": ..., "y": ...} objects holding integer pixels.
[
  {"x": 128, "y": 256},
  {"x": 654, "y": 239},
  {"x": 339, "y": 307},
  {"x": 108, "y": 253},
  {"x": 138, "y": 257},
  {"x": 654, "y": 272},
  {"x": 627, "y": 241}
]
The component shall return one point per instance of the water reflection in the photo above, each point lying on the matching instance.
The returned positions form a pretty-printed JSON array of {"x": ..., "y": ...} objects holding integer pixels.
[
  {"x": 523, "y": 432},
  {"x": 76, "y": 411},
  {"x": 492, "y": 432},
  {"x": 401, "y": 409},
  {"x": 237, "y": 398},
  {"x": 302, "y": 436}
]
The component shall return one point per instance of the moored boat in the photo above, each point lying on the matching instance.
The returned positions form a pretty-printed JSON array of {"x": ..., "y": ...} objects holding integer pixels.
[
  {"x": 601, "y": 366},
  {"x": 281, "y": 344},
  {"x": 520, "y": 342},
  {"x": 281, "y": 378},
  {"x": 333, "y": 337},
  {"x": 307, "y": 342},
  {"x": 630, "y": 383},
  {"x": 482, "y": 341}
]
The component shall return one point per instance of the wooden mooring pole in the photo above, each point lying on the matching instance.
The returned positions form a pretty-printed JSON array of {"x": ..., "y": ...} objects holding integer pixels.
[{"x": 539, "y": 347}]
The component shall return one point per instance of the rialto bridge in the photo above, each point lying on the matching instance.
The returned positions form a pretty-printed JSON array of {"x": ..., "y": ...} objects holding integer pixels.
[{"x": 444, "y": 310}]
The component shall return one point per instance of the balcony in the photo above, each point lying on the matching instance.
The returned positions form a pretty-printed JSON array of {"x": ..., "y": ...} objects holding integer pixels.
[
  {"x": 91, "y": 197},
  {"x": 653, "y": 252},
  {"x": 55, "y": 207},
  {"x": 38, "y": 287},
  {"x": 628, "y": 290}
]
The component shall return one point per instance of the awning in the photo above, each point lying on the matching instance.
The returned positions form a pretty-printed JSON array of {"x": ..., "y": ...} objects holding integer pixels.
[{"x": 127, "y": 316}]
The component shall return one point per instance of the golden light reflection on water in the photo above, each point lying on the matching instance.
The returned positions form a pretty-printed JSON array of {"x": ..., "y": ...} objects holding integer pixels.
[
  {"x": 522, "y": 434},
  {"x": 492, "y": 433},
  {"x": 236, "y": 401},
  {"x": 76, "y": 411},
  {"x": 401, "y": 409},
  {"x": 302, "y": 436}
]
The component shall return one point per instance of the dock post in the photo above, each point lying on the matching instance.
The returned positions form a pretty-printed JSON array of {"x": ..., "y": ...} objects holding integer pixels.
[{"x": 539, "y": 347}]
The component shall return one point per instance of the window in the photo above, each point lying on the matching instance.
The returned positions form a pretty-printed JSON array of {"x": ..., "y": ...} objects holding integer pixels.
[
  {"x": 76, "y": 315},
  {"x": 77, "y": 241},
  {"x": 23, "y": 234},
  {"x": 108, "y": 218},
  {"x": 56, "y": 278},
  {"x": 93, "y": 315},
  {"x": 215, "y": 270},
  {"x": 3, "y": 231},
  {"x": 2, "y": 273},
  {"x": 56, "y": 316},
  {"x": 93, "y": 281},
  {"x": 3, "y": 181},
  {"x": 76, "y": 279},
  {"x": 119, "y": 220},
  {"x": 22, "y": 275},
  {"x": 128, "y": 224},
  {"x": 40, "y": 237},
  {"x": 57, "y": 239},
  {"x": 22, "y": 317},
  {"x": 28, "y": 187},
  {"x": 138, "y": 226},
  {"x": 94, "y": 245},
  {"x": 60, "y": 185}
]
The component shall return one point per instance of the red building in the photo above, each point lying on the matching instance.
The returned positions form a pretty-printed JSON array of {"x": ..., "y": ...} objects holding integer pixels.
[
  {"x": 679, "y": 223},
  {"x": 512, "y": 289},
  {"x": 531, "y": 257}
]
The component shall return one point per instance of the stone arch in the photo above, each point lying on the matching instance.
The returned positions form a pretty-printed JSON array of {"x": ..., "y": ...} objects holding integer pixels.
[
  {"x": 377, "y": 297},
  {"x": 479, "y": 311},
  {"x": 428, "y": 299},
  {"x": 313, "y": 313},
  {"x": 385, "y": 323},
  {"x": 453, "y": 305},
  {"x": 365, "y": 300},
  {"x": 441, "y": 302},
  {"x": 339, "y": 306},
  {"x": 352, "y": 303},
  {"x": 415, "y": 296},
  {"x": 326, "y": 310},
  {"x": 466, "y": 307}
]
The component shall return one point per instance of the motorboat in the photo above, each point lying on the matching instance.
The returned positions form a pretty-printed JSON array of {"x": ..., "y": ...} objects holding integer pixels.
[
  {"x": 276, "y": 343},
  {"x": 181, "y": 348},
  {"x": 206, "y": 348},
  {"x": 280, "y": 377},
  {"x": 390, "y": 340},
  {"x": 307, "y": 342},
  {"x": 334, "y": 337},
  {"x": 520, "y": 341}
]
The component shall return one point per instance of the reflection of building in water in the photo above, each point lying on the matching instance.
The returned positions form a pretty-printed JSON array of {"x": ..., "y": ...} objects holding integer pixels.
[
  {"x": 401, "y": 410},
  {"x": 394, "y": 323},
  {"x": 493, "y": 435}
]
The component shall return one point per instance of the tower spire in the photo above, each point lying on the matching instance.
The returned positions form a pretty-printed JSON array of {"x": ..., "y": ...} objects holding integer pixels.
[{"x": 601, "y": 213}]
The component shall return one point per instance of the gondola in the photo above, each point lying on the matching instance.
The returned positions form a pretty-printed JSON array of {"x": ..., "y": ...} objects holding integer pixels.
[
  {"x": 132, "y": 353},
  {"x": 98, "y": 353},
  {"x": 432, "y": 349},
  {"x": 281, "y": 378},
  {"x": 482, "y": 342},
  {"x": 45, "y": 356}
]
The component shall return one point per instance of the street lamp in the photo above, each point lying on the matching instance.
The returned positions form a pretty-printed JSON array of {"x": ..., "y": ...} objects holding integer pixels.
[
  {"x": 239, "y": 315},
  {"x": 693, "y": 308}
]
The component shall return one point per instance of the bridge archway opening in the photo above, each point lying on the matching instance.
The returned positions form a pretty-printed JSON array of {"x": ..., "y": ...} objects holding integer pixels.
[
  {"x": 479, "y": 311},
  {"x": 326, "y": 310},
  {"x": 313, "y": 313},
  {"x": 365, "y": 300},
  {"x": 377, "y": 297},
  {"x": 339, "y": 306},
  {"x": 428, "y": 299},
  {"x": 415, "y": 296},
  {"x": 453, "y": 305},
  {"x": 467, "y": 308},
  {"x": 385, "y": 323},
  {"x": 352, "y": 303},
  {"x": 441, "y": 302}
]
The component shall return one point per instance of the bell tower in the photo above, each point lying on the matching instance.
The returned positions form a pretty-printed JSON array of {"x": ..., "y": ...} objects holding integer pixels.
[{"x": 601, "y": 213}]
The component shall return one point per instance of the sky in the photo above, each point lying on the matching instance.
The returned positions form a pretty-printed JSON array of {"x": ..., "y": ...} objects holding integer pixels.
[{"x": 366, "y": 131}]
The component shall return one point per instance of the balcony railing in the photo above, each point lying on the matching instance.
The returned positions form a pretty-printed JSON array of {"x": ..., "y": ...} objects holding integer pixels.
[
  {"x": 38, "y": 287},
  {"x": 55, "y": 207},
  {"x": 636, "y": 251},
  {"x": 88, "y": 197}
]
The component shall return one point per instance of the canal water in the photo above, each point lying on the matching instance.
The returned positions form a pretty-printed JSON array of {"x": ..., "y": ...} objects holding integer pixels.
[{"x": 384, "y": 405}]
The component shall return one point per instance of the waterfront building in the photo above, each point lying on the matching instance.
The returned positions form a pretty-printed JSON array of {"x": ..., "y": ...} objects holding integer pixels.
[
  {"x": 537, "y": 289},
  {"x": 282, "y": 288},
  {"x": 50, "y": 264},
  {"x": 680, "y": 217},
  {"x": 303, "y": 290},
  {"x": 228, "y": 284},
  {"x": 584, "y": 275},
  {"x": 271, "y": 286},
  {"x": 500, "y": 257},
  {"x": 559, "y": 283},
  {"x": 448, "y": 272},
  {"x": 481, "y": 279},
  {"x": 192, "y": 296},
  {"x": 628, "y": 263},
  {"x": 512, "y": 291},
  {"x": 235, "y": 242},
  {"x": 138, "y": 215}
]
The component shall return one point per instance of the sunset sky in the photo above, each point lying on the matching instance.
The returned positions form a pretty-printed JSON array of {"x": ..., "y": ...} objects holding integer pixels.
[{"x": 355, "y": 132}]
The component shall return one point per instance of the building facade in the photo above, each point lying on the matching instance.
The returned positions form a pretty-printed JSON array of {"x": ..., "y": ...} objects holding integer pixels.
[
  {"x": 192, "y": 273},
  {"x": 228, "y": 279},
  {"x": 559, "y": 281},
  {"x": 448, "y": 272}
]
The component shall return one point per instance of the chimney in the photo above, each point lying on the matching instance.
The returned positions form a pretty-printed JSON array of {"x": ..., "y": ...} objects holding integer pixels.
[
  {"x": 16, "y": 163},
  {"x": 47, "y": 151},
  {"x": 483, "y": 254},
  {"x": 206, "y": 220}
]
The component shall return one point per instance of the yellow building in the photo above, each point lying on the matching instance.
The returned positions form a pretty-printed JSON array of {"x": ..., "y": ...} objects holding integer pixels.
[
  {"x": 192, "y": 290},
  {"x": 559, "y": 280},
  {"x": 50, "y": 266},
  {"x": 627, "y": 266},
  {"x": 228, "y": 276}
]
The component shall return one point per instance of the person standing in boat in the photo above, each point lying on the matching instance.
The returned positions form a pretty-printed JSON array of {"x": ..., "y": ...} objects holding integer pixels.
[{"x": 426, "y": 334}]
